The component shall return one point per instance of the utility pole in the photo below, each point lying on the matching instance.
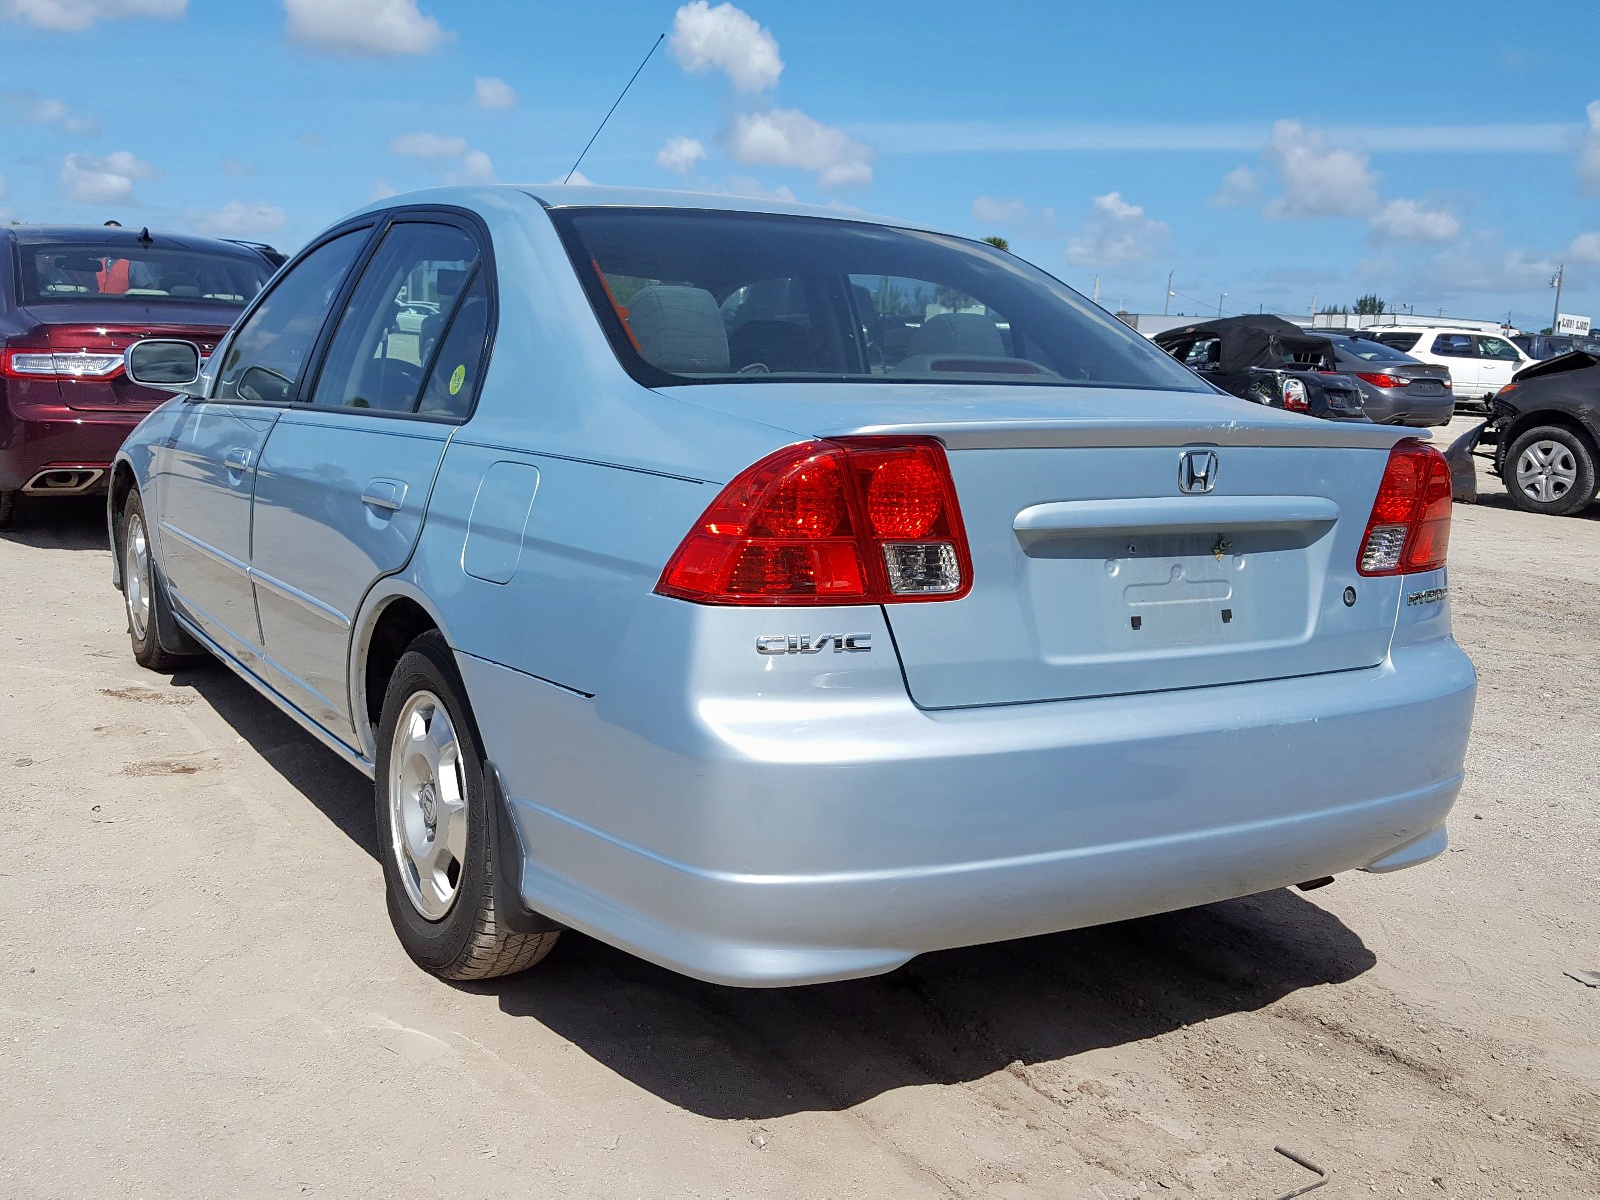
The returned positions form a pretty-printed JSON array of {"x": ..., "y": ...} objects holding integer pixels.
[
  {"x": 1313, "y": 308},
  {"x": 1555, "y": 320},
  {"x": 1168, "y": 299},
  {"x": 1220, "y": 299}
]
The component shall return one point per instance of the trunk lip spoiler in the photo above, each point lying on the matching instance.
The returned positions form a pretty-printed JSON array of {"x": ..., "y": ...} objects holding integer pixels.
[{"x": 1125, "y": 434}]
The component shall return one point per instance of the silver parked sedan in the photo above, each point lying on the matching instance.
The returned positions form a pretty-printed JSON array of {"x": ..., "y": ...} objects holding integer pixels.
[
  {"x": 1396, "y": 389},
  {"x": 779, "y": 593}
]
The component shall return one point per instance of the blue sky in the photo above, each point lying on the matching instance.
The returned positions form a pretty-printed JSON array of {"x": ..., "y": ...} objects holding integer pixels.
[{"x": 1440, "y": 156}]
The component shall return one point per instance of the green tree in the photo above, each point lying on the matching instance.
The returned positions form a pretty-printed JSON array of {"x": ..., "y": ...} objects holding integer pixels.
[
  {"x": 998, "y": 242},
  {"x": 1370, "y": 305}
]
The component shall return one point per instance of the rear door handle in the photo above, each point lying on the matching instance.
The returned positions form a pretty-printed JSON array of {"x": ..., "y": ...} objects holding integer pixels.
[
  {"x": 384, "y": 493},
  {"x": 238, "y": 460}
]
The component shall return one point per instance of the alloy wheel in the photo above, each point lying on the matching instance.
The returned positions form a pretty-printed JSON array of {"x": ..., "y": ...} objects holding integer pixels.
[
  {"x": 427, "y": 805},
  {"x": 136, "y": 587}
]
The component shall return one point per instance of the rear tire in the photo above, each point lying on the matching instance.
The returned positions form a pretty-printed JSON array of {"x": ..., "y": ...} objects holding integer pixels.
[
  {"x": 1550, "y": 470},
  {"x": 436, "y": 826},
  {"x": 8, "y": 509}
]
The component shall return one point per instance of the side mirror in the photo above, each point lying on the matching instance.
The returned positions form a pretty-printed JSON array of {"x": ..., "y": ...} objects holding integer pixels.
[{"x": 163, "y": 363}]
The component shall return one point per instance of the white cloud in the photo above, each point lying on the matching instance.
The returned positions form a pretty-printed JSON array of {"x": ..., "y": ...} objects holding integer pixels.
[
  {"x": 3, "y": 192},
  {"x": 1319, "y": 179},
  {"x": 1589, "y": 151},
  {"x": 238, "y": 219},
  {"x": 382, "y": 189},
  {"x": 1012, "y": 212},
  {"x": 576, "y": 179},
  {"x": 1240, "y": 188},
  {"x": 468, "y": 165},
  {"x": 726, "y": 39},
  {"x": 476, "y": 167},
  {"x": 680, "y": 154},
  {"x": 1117, "y": 232},
  {"x": 754, "y": 189},
  {"x": 429, "y": 145},
  {"x": 237, "y": 167},
  {"x": 1585, "y": 248},
  {"x": 1414, "y": 221},
  {"x": 73, "y": 15},
  {"x": 786, "y": 137},
  {"x": 492, "y": 92},
  {"x": 30, "y": 108},
  {"x": 108, "y": 180},
  {"x": 381, "y": 28},
  {"x": 1477, "y": 264}
]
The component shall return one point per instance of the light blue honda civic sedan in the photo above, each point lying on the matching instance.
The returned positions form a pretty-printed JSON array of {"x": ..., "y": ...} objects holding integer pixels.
[{"x": 779, "y": 593}]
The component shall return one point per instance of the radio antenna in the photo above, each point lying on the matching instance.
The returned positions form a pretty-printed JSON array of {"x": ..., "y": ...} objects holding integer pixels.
[{"x": 614, "y": 104}]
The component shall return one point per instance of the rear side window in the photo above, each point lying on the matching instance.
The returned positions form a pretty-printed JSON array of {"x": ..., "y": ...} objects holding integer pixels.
[
  {"x": 266, "y": 356},
  {"x": 60, "y": 272},
  {"x": 1400, "y": 341},
  {"x": 1453, "y": 345},
  {"x": 392, "y": 327},
  {"x": 690, "y": 296}
]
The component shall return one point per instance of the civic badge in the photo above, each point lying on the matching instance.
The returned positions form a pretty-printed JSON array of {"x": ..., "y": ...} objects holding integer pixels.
[{"x": 1197, "y": 471}]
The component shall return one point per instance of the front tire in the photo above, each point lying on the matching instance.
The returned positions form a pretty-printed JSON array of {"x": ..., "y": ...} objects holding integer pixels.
[
  {"x": 1550, "y": 470},
  {"x": 436, "y": 827},
  {"x": 143, "y": 593}
]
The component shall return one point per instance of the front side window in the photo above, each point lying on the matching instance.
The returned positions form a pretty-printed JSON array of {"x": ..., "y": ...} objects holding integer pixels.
[
  {"x": 1497, "y": 348},
  {"x": 266, "y": 356},
  {"x": 392, "y": 327},
  {"x": 692, "y": 296},
  {"x": 55, "y": 272}
]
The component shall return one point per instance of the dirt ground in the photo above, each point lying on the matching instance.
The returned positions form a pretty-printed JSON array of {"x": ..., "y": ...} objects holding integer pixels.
[{"x": 200, "y": 994}]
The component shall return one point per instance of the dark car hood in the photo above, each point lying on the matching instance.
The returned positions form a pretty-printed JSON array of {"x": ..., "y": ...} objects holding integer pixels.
[{"x": 1574, "y": 360}]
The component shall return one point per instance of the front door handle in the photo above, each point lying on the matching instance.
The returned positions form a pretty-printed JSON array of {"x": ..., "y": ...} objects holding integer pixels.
[
  {"x": 384, "y": 493},
  {"x": 238, "y": 460}
]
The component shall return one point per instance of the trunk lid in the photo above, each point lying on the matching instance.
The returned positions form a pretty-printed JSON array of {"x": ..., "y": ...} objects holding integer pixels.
[
  {"x": 1094, "y": 571},
  {"x": 90, "y": 327}
]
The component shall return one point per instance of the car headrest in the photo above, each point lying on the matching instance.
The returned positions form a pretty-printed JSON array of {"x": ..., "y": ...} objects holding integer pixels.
[
  {"x": 678, "y": 328},
  {"x": 960, "y": 333}
]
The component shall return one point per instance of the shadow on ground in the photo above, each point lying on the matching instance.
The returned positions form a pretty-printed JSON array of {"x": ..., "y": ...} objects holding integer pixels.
[
  {"x": 730, "y": 1053},
  {"x": 68, "y": 523}
]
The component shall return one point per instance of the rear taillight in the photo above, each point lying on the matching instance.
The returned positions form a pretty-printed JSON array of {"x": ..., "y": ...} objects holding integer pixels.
[
  {"x": 1409, "y": 529},
  {"x": 1294, "y": 396},
  {"x": 58, "y": 364},
  {"x": 849, "y": 521},
  {"x": 1383, "y": 380}
]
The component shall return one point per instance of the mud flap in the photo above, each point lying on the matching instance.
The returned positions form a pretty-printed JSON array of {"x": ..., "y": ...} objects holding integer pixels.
[{"x": 510, "y": 910}]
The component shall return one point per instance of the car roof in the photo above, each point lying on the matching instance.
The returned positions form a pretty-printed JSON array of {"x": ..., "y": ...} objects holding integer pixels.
[
  {"x": 112, "y": 235},
  {"x": 572, "y": 195}
]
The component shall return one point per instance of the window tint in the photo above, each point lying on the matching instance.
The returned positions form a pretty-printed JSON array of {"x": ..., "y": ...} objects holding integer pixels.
[
  {"x": 395, "y": 318},
  {"x": 1453, "y": 345},
  {"x": 1370, "y": 351},
  {"x": 1400, "y": 341},
  {"x": 713, "y": 297},
  {"x": 1493, "y": 347},
  {"x": 57, "y": 271},
  {"x": 453, "y": 379},
  {"x": 265, "y": 357}
]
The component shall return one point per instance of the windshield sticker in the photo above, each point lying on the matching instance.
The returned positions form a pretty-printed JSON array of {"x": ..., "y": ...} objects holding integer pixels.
[{"x": 457, "y": 378}]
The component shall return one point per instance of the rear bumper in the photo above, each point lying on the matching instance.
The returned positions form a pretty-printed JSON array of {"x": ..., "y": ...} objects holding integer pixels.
[
  {"x": 36, "y": 437},
  {"x": 757, "y": 844},
  {"x": 1394, "y": 407}
]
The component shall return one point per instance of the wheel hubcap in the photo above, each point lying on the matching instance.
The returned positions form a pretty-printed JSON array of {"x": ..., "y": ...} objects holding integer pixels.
[
  {"x": 427, "y": 805},
  {"x": 137, "y": 585},
  {"x": 1546, "y": 471}
]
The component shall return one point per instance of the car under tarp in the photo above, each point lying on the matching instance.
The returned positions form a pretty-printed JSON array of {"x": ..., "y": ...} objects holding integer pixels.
[{"x": 1250, "y": 341}]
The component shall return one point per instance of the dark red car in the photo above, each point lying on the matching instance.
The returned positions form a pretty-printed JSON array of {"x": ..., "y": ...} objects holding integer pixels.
[{"x": 72, "y": 299}]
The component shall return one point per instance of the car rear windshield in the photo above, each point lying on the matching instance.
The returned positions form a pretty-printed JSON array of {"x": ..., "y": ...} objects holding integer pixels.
[
  {"x": 1373, "y": 351},
  {"x": 60, "y": 271},
  {"x": 693, "y": 296}
]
